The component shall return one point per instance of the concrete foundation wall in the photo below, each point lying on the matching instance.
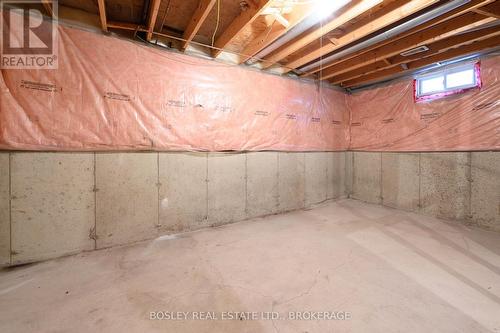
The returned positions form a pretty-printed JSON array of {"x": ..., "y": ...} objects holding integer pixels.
[
  {"x": 4, "y": 209},
  {"x": 462, "y": 186},
  {"x": 54, "y": 204}
]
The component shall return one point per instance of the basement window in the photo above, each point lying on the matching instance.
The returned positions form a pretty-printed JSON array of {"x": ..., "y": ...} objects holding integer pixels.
[{"x": 446, "y": 82}]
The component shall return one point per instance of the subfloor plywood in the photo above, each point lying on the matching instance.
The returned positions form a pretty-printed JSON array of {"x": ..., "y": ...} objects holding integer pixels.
[
  {"x": 4, "y": 209},
  {"x": 52, "y": 206},
  {"x": 127, "y": 197},
  {"x": 391, "y": 270}
]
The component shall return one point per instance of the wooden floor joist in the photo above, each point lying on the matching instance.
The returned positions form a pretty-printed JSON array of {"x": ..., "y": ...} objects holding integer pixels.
[
  {"x": 153, "y": 14},
  {"x": 492, "y": 10},
  {"x": 439, "y": 31},
  {"x": 347, "y": 15},
  {"x": 199, "y": 16},
  {"x": 449, "y": 15},
  {"x": 314, "y": 50},
  {"x": 126, "y": 26},
  {"x": 102, "y": 15},
  {"x": 404, "y": 11},
  {"x": 239, "y": 23},
  {"x": 490, "y": 43},
  {"x": 275, "y": 31},
  {"x": 434, "y": 48},
  {"x": 47, "y": 4}
]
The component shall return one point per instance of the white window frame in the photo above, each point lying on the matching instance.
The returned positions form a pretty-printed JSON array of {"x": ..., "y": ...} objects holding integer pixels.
[{"x": 444, "y": 73}]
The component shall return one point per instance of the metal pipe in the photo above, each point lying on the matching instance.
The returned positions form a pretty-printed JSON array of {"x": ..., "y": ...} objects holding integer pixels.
[
  {"x": 413, "y": 73},
  {"x": 292, "y": 33},
  {"x": 391, "y": 33}
]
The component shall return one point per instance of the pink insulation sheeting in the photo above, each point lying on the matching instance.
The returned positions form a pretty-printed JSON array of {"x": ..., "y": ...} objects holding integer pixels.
[
  {"x": 112, "y": 94},
  {"x": 388, "y": 119}
]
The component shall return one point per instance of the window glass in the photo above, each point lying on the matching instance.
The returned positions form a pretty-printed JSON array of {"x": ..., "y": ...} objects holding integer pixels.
[
  {"x": 434, "y": 84},
  {"x": 448, "y": 81},
  {"x": 460, "y": 79}
]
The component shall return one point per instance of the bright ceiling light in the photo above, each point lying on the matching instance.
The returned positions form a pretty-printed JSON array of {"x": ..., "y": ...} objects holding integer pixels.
[{"x": 325, "y": 8}]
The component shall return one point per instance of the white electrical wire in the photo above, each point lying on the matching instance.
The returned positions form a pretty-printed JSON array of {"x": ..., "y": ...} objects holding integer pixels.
[{"x": 217, "y": 23}]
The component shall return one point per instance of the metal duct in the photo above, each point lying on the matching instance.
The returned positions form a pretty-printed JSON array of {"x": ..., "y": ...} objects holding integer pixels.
[
  {"x": 391, "y": 33},
  {"x": 292, "y": 33}
]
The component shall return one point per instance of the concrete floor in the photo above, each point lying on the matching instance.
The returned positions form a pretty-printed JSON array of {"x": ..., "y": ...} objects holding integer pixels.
[{"x": 392, "y": 271}]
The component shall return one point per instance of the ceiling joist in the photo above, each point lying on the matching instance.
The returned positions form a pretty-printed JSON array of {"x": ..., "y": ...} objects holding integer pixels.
[
  {"x": 439, "y": 31},
  {"x": 126, "y": 26},
  {"x": 492, "y": 10},
  {"x": 275, "y": 31},
  {"x": 47, "y": 4},
  {"x": 459, "y": 51},
  {"x": 102, "y": 15},
  {"x": 449, "y": 15},
  {"x": 405, "y": 10},
  {"x": 200, "y": 15},
  {"x": 153, "y": 14},
  {"x": 468, "y": 26},
  {"x": 238, "y": 24},
  {"x": 434, "y": 48},
  {"x": 347, "y": 15}
]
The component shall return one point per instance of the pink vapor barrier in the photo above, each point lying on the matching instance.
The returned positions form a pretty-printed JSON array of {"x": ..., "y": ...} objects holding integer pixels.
[
  {"x": 388, "y": 118},
  {"x": 113, "y": 94}
]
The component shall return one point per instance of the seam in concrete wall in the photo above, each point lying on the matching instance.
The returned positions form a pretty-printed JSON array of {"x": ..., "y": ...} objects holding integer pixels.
[
  {"x": 206, "y": 186},
  {"x": 469, "y": 178},
  {"x": 246, "y": 184},
  {"x": 278, "y": 197},
  {"x": 158, "y": 184},
  {"x": 353, "y": 166},
  {"x": 305, "y": 179},
  {"x": 10, "y": 209},
  {"x": 419, "y": 182},
  {"x": 207, "y": 215},
  {"x": 381, "y": 195},
  {"x": 95, "y": 203}
]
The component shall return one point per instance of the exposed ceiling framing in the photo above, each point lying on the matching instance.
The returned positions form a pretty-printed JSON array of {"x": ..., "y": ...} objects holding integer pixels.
[
  {"x": 288, "y": 36},
  {"x": 47, "y": 4}
]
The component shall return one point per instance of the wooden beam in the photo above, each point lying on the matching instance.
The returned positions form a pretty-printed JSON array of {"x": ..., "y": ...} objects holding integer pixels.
[
  {"x": 449, "y": 15},
  {"x": 492, "y": 10},
  {"x": 460, "y": 51},
  {"x": 239, "y": 23},
  {"x": 199, "y": 16},
  {"x": 434, "y": 33},
  {"x": 375, "y": 25},
  {"x": 299, "y": 13},
  {"x": 102, "y": 15},
  {"x": 47, "y": 4},
  {"x": 434, "y": 48},
  {"x": 346, "y": 15},
  {"x": 126, "y": 26},
  {"x": 154, "y": 7}
]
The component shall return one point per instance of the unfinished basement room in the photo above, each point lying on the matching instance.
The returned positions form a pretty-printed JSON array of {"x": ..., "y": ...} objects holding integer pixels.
[{"x": 220, "y": 166}]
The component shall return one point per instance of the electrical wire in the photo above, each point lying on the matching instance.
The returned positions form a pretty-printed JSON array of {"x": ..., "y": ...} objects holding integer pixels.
[
  {"x": 165, "y": 15},
  {"x": 217, "y": 22}
]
